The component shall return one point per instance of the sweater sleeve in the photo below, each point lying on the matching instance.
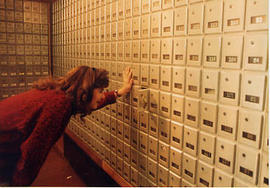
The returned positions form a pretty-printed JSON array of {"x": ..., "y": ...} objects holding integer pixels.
[
  {"x": 34, "y": 150},
  {"x": 108, "y": 99}
]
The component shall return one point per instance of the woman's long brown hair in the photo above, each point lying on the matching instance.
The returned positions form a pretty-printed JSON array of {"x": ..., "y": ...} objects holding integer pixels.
[{"x": 78, "y": 84}]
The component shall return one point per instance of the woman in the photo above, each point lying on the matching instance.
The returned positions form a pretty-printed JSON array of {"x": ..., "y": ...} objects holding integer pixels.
[{"x": 32, "y": 122}]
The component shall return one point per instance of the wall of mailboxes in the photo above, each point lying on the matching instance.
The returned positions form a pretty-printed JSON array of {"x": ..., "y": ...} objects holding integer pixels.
[
  {"x": 24, "y": 51},
  {"x": 198, "y": 112}
]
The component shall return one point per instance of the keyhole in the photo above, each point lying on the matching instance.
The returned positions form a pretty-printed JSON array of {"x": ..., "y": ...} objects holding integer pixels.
[
  {"x": 207, "y": 77},
  {"x": 246, "y": 119},
  {"x": 202, "y": 169},
  {"x": 220, "y": 178},
  {"x": 254, "y": 2},
  {"x": 205, "y": 109},
  {"x": 244, "y": 155},
  {"x": 230, "y": 6},
  {"x": 188, "y": 133},
  {"x": 204, "y": 139},
  {"x": 249, "y": 82},
  {"x": 224, "y": 113},
  {"x": 226, "y": 79},
  {"x": 229, "y": 43},
  {"x": 191, "y": 44},
  {"x": 174, "y": 128},
  {"x": 222, "y": 147},
  {"x": 252, "y": 42},
  {"x": 210, "y": 10},
  {"x": 209, "y": 44}
]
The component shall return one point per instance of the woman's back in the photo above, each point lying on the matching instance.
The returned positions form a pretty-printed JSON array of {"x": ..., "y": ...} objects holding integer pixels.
[{"x": 22, "y": 120}]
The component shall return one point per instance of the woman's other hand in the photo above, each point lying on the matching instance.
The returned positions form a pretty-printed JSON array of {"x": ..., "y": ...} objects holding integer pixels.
[{"x": 127, "y": 82}]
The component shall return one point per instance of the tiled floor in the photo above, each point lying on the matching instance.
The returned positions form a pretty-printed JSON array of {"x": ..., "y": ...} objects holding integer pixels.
[{"x": 57, "y": 171}]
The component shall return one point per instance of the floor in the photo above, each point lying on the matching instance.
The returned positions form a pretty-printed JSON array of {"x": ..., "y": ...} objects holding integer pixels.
[
  {"x": 57, "y": 171},
  {"x": 73, "y": 168}
]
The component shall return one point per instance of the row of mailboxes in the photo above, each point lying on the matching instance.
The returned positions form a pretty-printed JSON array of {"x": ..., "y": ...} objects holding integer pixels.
[
  {"x": 22, "y": 38},
  {"x": 12, "y": 49},
  {"x": 180, "y": 108},
  {"x": 208, "y": 15},
  {"x": 28, "y": 17},
  {"x": 27, "y": 6},
  {"x": 209, "y": 84},
  {"x": 185, "y": 137},
  {"x": 22, "y": 27},
  {"x": 230, "y": 158},
  {"x": 247, "y": 126},
  {"x": 247, "y": 89},
  {"x": 209, "y": 51}
]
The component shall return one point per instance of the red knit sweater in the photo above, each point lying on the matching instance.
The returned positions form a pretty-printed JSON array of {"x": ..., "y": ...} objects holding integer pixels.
[{"x": 30, "y": 124}]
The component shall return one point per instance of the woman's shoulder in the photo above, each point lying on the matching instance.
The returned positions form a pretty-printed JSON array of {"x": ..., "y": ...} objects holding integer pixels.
[{"x": 54, "y": 96}]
